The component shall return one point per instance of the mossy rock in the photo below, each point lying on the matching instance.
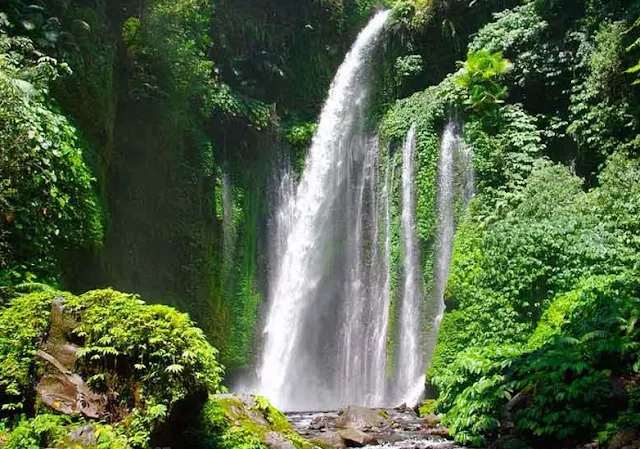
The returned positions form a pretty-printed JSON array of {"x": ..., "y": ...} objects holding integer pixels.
[
  {"x": 244, "y": 421},
  {"x": 427, "y": 408},
  {"x": 144, "y": 360}
]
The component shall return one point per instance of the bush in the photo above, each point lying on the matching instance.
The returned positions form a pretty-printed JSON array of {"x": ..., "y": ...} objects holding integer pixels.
[
  {"x": 47, "y": 202},
  {"x": 151, "y": 356}
]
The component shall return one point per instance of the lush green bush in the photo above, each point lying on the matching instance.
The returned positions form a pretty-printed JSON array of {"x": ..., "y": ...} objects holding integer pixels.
[
  {"x": 152, "y": 356},
  {"x": 564, "y": 375},
  {"x": 536, "y": 311},
  {"x": 47, "y": 202}
]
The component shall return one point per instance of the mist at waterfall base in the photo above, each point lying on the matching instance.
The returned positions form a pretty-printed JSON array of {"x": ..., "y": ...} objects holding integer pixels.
[{"x": 325, "y": 338}]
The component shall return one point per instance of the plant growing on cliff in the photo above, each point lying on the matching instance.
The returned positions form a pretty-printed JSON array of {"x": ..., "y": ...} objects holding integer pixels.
[
  {"x": 479, "y": 76},
  {"x": 47, "y": 202}
]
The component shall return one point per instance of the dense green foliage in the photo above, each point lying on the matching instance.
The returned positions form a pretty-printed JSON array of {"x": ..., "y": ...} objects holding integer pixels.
[
  {"x": 539, "y": 343},
  {"x": 47, "y": 201},
  {"x": 145, "y": 358}
]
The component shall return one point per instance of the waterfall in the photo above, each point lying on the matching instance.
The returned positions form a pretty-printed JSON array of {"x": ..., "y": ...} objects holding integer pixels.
[
  {"x": 449, "y": 146},
  {"x": 362, "y": 352},
  {"x": 227, "y": 220},
  {"x": 381, "y": 290},
  {"x": 410, "y": 349},
  {"x": 281, "y": 200},
  {"x": 318, "y": 323},
  {"x": 454, "y": 164}
]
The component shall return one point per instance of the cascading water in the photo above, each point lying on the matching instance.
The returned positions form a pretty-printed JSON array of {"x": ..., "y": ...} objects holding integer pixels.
[
  {"x": 380, "y": 291},
  {"x": 227, "y": 217},
  {"x": 451, "y": 148},
  {"x": 410, "y": 372},
  {"x": 454, "y": 162},
  {"x": 318, "y": 324}
]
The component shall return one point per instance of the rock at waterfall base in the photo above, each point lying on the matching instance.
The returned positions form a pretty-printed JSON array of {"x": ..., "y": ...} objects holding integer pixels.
[
  {"x": 355, "y": 438},
  {"x": 276, "y": 441},
  {"x": 332, "y": 440},
  {"x": 360, "y": 418}
]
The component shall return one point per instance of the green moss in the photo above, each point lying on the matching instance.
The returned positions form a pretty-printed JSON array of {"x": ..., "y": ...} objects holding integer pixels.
[{"x": 241, "y": 422}]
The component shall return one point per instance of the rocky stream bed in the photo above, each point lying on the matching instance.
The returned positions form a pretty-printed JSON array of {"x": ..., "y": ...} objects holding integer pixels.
[{"x": 355, "y": 426}]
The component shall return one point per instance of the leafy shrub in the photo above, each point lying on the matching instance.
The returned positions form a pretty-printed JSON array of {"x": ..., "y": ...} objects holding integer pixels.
[
  {"x": 544, "y": 302},
  {"x": 565, "y": 378},
  {"x": 47, "y": 202},
  {"x": 152, "y": 356},
  {"x": 478, "y": 76}
]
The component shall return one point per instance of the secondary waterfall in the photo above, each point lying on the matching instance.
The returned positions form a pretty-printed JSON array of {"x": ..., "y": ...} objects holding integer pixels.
[
  {"x": 410, "y": 372},
  {"x": 455, "y": 179},
  {"x": 319, "y": 336},
  {"x": 451, "y": 148}
]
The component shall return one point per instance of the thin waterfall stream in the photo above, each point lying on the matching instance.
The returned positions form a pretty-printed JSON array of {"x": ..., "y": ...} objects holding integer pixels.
[{"x": 410, "y": 378}]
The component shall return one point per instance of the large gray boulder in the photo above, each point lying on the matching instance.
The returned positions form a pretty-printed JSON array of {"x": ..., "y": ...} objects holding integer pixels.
[
  {"x": 330, "y": 439},
  {"x": 361, "y": 418},
  {"x": 355, "y": 438}
]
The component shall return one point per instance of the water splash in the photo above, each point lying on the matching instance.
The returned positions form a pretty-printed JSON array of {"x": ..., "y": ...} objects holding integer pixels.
[{"x": 317, "y": 288}]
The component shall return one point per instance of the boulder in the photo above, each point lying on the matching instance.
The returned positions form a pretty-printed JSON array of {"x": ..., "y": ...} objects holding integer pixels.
[
  {"x": 319, "y": 422},
  {"x": 256, "y": 416},
  {"x": 431, "y": 421},
  {"x": 358, "y": 417},
  {"x": 355, "y": 438},
  {"x": 330, "y": 439},
  {"x": 273, "y": 440}
]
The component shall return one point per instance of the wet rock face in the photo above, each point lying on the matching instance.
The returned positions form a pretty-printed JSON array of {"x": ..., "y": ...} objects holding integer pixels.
[{"x": 60, "y": 388}]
